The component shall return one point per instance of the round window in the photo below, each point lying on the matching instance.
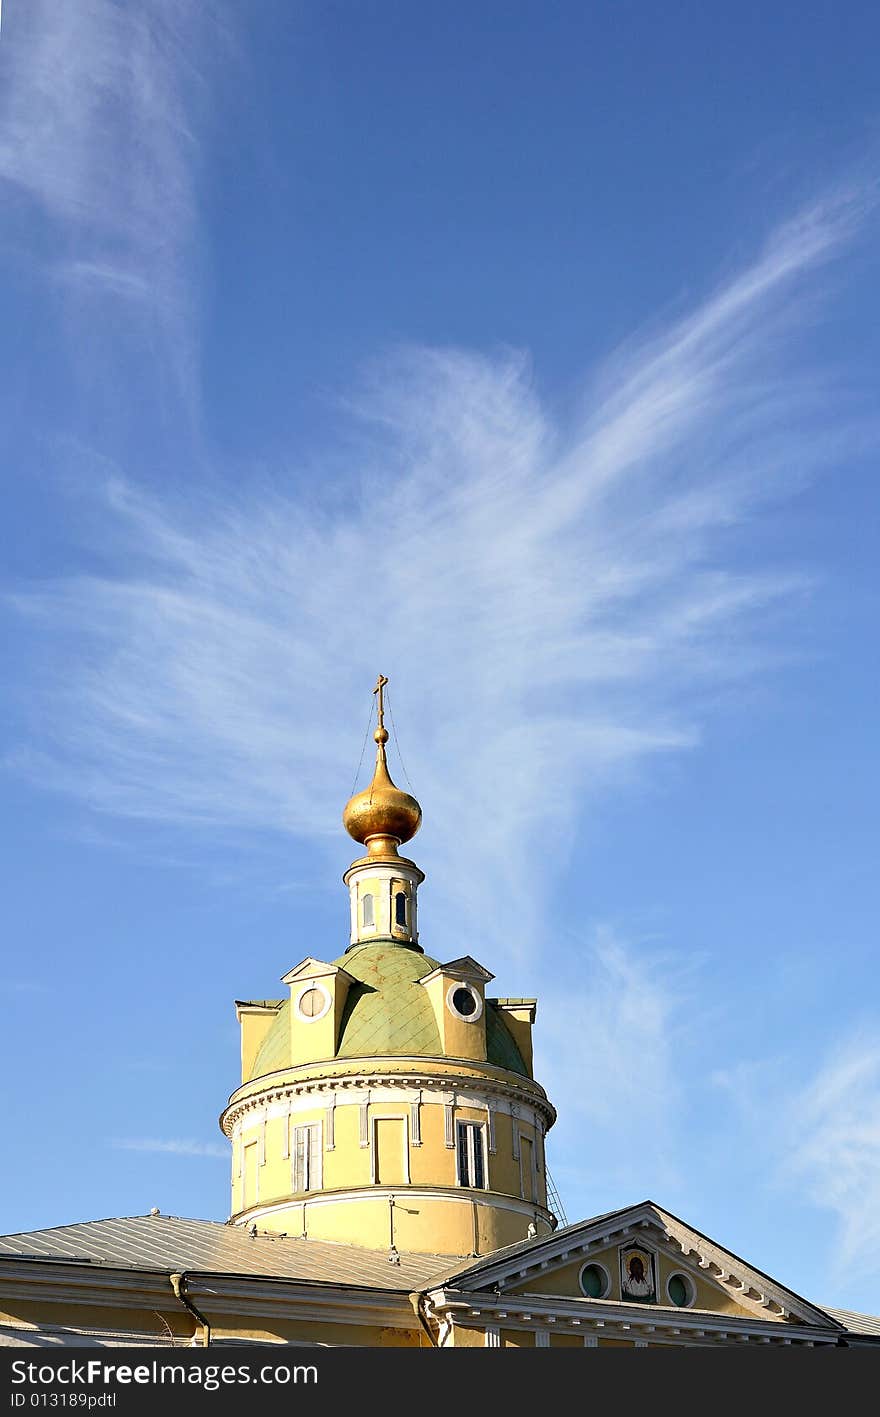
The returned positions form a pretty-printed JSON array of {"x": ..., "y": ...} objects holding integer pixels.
[
  {"x": 464, "y": 1001},
  {"x": 313, "y": 1003},
  {"x": 594, "y": 1281},
  {"x": 680, "y": 1290}
]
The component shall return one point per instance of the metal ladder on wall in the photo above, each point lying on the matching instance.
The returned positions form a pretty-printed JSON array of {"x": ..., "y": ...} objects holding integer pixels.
[{"x": 553, "y": 1199}]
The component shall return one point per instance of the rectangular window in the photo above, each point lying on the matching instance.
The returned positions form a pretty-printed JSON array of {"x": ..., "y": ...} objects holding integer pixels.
[
  {"x": 390, "y": 1159},
  {"x": 250, "y": 1182},
  {"x": 471, "y": 1160},
  {"x": 305, "y": 1152},
  {"x": 528, "y": 1187}
]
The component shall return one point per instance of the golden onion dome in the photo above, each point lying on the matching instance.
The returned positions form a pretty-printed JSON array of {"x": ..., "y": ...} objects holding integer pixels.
[{"x": 382, "y": 817}]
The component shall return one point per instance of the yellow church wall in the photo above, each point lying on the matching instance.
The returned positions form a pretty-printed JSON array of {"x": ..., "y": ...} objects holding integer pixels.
[
  {"x": 708, "y": 1295},
  {"x": 515, "y": 1338},
  {"x": 400, "y": 932},
  {"x": 315, "y": 1039},
  {"x": 145, "y": 1322},
  {"x": 505, "y": 1167},
  {"x": 519, "y": 1023},
  {"x": 262, "y": 1172},
  {"x": 500, "y": 1227},
  {"x": 463, "y": 1337},
  {"x": 255, "y": 1024},
  {"x": 333, "y": 1334},
  {"x": 310, "y": 1042},
  {"x": 422, "y": 1223},
  {"x": 565, "y": 1340},
  {"x": 460, "y": 1038}
]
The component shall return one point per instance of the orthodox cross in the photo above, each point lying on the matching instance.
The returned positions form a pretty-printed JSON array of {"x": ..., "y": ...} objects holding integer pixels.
[{"x": 380, "y": 690}]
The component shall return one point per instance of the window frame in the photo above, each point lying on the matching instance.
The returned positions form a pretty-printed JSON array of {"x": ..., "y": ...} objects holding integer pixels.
[
  {"x": 690, "y": 1289},
  {"x": 471, "y": 1155},
  {"x": 326, "y": 1001},
  {"x": 309, "y": 1159},
  {"x": 475, "y": 996},
  {"x": 606, "y": 1276}
]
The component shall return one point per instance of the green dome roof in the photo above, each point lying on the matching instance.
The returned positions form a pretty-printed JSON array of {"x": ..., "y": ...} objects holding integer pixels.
[
  {"x": 387, "y": 1011},
  {"x": 387, "y": 1014}
]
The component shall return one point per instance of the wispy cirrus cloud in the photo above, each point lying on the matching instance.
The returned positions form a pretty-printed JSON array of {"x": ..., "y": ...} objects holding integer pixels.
[
  {"x": 99, "y": 111},
  {"x": 833, "y": 1136},
  {"x": 611, "y": 1047},
  {"x": 812, "y": 1132},
  {"x": 173, "y": 1147},
  {"x": 553, "y": 603}
]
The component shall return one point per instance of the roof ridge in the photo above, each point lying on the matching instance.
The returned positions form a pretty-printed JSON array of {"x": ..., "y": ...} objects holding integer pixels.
[{"x": 109, "y": 1220}]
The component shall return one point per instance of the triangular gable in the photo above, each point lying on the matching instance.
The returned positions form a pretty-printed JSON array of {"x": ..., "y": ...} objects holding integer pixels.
[
  {"x": 310, "y": 968},
  {"x": 466, "y": 968},
  {"x": 520, "y": 1267}
]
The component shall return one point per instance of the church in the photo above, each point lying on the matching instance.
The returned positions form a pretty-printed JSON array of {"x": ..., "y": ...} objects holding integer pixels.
[{"x": 389, "y": 1180}]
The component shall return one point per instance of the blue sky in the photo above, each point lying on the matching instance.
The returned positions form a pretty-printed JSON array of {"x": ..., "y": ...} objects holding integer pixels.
[{"x": 527, "y": 353}]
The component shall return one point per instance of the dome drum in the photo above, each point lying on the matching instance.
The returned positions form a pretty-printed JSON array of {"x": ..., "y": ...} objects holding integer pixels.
[{"x": 388, "y": 1100}]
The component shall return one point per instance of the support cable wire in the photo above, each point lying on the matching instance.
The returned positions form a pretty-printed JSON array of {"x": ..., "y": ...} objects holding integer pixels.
[
  {"x": 397, "y": 745},
  {"x": 363, "y": 750}
]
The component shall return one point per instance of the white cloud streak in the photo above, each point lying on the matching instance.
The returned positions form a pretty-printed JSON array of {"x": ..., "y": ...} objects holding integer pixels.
[
  {"x": 173, "y": 1148},
  {"x": 551, "y": 604},
  {"x": 98, "y": 133},
  {"x": 833, "y": 1135},
  {"x": 614, "y": 1073}
]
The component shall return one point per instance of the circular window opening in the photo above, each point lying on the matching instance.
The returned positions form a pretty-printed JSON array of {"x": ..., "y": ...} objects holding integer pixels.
[
  {"x": 594, "y": 1281},
  {"x": 313, "y": 1003},
  {"x": 464, "y": 1002},
  {"x": 680, "y": 1290}
]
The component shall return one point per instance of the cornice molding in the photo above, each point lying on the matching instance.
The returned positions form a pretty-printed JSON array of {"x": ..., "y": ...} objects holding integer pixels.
[
  {"x": 619, "y": 1320},
  {"x": 324, "y": 1070},
  {"x": 245, "y": 1296},
  {"x": 410, "y": 1081}
]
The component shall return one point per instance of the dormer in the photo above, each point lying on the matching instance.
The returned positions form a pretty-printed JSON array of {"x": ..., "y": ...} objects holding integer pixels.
[
  {"x": 519, "y": 1015},
  {"x": 458, "y": 997},
  {"x": 256, "y": 1017},
  {"x": 318, "y": 992}
]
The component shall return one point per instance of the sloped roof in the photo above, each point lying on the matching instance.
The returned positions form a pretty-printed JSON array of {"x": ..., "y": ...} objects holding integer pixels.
[
  {"x": 387, "y": 1014},
  {"x": 867, "y": 1324},
  {"x": 169, "y": 1244}
]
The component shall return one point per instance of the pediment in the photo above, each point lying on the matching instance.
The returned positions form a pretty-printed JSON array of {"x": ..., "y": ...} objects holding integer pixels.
[
  {"x": 310, "y": 968},
  {"x": 466, "y": 969},
  {"x": 658, "y": 1248}
]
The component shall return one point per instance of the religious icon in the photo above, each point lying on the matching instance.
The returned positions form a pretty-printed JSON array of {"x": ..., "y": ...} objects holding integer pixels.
[{"x": 637, "y": 1275}]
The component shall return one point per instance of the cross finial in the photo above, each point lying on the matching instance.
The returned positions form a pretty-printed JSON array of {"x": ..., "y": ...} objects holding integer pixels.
[{"x": 380, "y": 690}]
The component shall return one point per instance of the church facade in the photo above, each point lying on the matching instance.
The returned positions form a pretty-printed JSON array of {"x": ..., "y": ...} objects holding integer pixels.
[{"x": 389, "y": 1180}]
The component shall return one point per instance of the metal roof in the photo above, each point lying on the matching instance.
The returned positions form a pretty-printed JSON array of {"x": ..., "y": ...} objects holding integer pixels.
[
  {"x": 169, "y": 1244},
  {"x": 856, "y": 1323},
  {"x": 387, "y": 1014}
]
